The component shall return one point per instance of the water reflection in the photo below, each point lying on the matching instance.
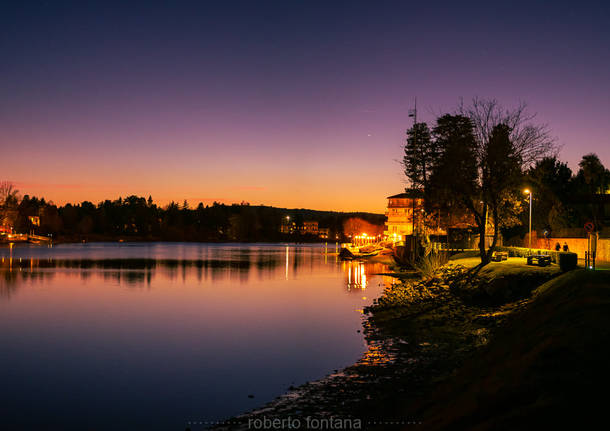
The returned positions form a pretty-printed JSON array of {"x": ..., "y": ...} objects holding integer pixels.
[
  {"x": 138, "y": 271},
  {"x": 357, "y": 273},
  {"x": 379, "y": 353},
  {"x": 142, "y": 271},
  {"x": 231, "y": 320}
]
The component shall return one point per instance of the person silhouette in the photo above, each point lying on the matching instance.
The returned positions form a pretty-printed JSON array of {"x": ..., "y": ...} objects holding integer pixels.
[{"x": 565, "y": 246}]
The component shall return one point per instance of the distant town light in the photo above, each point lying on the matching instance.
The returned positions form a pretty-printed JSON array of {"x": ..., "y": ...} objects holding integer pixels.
[{"x": 526, "y": 191}]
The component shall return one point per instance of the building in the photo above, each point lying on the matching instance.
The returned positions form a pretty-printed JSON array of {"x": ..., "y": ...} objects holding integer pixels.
[
  {"x": 34, "y": 220},
  {"x": 324, "y": 232},
  {"x": 402, "y": 215},
  {"x": 406, "y": 212},
  {"x": 309, "y": 228},
  {"x": 288, "y": 227}
]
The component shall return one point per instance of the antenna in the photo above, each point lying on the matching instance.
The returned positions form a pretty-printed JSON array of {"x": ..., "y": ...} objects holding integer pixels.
[{"x": 413, "y": 112}]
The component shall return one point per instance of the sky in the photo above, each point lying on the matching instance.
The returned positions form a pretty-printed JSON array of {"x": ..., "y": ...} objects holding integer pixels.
[{"x": 299, "y": 104}]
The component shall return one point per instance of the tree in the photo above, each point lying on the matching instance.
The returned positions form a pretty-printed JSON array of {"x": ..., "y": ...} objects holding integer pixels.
[
  {"x": 453, "y": 184},
  {"x": 9, "y": 199},
  {"x": 421, "y": 154},
  {"x": 593, "y": 174},
  {"x": 500, "y": 184},
  {"x": 9, "y": 195},
  {"x": 357, "y": 226},
  {"x": 483, "y": 150},
  {"x": 457, "y": 161},
  {"x": 551, "y": 179},
  {"x": 592, "y": 179},
  {"x": 531, "y": 141}
]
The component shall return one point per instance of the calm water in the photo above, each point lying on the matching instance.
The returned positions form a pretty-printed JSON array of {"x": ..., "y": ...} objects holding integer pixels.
[{"x": 151, "y": 336}]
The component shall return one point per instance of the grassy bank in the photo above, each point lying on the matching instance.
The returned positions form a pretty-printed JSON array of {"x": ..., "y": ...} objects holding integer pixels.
[{"x": 548, "y": 367}]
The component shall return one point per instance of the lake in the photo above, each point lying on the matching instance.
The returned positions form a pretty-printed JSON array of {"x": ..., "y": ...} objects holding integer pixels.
[{"x": 154, "y": 335}]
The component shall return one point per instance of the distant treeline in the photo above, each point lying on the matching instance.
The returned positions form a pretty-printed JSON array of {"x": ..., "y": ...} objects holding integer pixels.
[{"x": 138, "y": 218}]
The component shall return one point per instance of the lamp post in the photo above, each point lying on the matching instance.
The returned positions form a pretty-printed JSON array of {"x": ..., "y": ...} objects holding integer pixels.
[{"x": 528, "y": 192}]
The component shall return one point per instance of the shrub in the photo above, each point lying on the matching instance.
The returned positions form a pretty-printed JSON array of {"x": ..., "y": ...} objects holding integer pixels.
[
  {"x": 429, "y": 264},
  {"x": 568, "y": 261}
]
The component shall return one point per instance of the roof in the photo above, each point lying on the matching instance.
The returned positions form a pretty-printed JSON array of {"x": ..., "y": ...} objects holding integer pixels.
[{"x": 407, "y": 195}]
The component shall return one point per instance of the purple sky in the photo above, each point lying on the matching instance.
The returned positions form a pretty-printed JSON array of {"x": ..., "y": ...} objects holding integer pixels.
[{"x": 297, "y": 104}]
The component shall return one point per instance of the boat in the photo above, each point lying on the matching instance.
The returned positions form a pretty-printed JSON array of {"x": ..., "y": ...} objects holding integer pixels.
[{"x": 347, "y": 254}]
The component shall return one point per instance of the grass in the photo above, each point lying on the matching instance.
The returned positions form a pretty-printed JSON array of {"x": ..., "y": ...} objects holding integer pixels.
[
  {"x": 499, "y": 283},
  {"x": 514, "y": 266}
]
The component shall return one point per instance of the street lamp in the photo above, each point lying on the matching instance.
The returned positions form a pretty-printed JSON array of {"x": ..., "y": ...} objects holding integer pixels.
[{"x": 528, "y": 192}]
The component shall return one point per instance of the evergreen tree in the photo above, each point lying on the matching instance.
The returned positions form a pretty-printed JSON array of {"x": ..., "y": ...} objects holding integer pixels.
[{"x": 421, "y": 153}]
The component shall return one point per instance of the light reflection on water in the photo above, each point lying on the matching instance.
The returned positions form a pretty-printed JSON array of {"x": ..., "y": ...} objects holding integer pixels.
[{"x": 152, "y": 335}]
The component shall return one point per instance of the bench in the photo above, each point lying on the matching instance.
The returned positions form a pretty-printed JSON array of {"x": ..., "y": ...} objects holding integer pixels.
[
  {"x": 498, "y": 256},
  {"x": 539, "y": 259}
]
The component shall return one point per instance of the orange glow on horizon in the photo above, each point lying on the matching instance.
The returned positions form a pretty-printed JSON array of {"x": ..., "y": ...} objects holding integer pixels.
[{"x": 328, "y": 200}]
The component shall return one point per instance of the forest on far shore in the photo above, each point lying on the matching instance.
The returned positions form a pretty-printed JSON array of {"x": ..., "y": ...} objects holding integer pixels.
[{"x": 138, "y": 218}]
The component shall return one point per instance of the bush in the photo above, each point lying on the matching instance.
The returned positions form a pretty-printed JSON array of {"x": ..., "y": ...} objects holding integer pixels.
[
  {"x": 568, "y": 261},
  {"x": 429, "y": 264}
]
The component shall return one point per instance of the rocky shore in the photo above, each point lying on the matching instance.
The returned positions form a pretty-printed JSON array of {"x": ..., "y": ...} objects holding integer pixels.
[{"x": 419, "y": 332}]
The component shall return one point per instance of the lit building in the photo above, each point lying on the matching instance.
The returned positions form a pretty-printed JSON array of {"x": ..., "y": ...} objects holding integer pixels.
[
  {"x": 323, "y": 232},
  {"x": 288, "y": 227},
  {"x": 34, "y": 220},
  {"x": 400, "y": 220},
  {"x": 309, "y": 228}
]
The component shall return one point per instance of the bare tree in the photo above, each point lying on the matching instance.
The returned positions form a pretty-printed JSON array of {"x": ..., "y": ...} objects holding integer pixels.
[
  {"x": 9, "y": 198},
  {"x": 531, "y": 141},
  {"x": 8, "y": 193}
]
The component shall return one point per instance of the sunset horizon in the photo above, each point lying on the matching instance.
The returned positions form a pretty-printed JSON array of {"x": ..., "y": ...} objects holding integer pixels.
[{"x": 288, "y": 106}]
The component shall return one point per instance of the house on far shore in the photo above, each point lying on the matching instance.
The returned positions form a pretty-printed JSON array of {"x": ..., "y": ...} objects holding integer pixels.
[
  {"x": 287, "y": 226},
  {"x": 323, "y": 232},
  {"x": 309, "y": 228},
  {"x": 291, "y": 227}
]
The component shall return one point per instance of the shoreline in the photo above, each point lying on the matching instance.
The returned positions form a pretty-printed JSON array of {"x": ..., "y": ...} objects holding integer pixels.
[
  {"x": 418, "y": 337},
  {"x": 135, "y": 240}
]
